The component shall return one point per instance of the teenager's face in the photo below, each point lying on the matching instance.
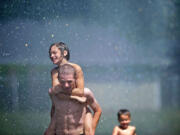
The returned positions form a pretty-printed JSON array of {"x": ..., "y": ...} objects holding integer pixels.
[
  {"x": 124, "y": 121},
  {"x": 67, "y": 81},
  {"x": 56, "y": 55}
]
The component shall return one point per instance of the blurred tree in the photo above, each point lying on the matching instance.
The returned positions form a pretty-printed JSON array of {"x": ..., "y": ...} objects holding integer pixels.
[
  {"x": 171, "y": 79},
  {"x": 38, "y": 10},
  {"x": 174, "y": 34}
]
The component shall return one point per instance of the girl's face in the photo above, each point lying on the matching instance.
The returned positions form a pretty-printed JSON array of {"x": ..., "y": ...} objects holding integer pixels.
[
  {"x": 56, "y": 55},
  {"x": 124, "y": 121}
]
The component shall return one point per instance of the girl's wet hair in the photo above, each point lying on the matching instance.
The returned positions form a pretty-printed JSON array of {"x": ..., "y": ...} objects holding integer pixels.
[{"x": 62, "y": 47}]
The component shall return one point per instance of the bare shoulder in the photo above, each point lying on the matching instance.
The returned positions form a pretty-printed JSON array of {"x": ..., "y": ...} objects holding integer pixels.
[
  {"x": 89, "y": 96},
  {"x": 116, "y": 128},
  {"x": 132, "y": 128},
  {"x": 88, "y": 93},
  {"x": 54, "y": 70},
  {"x": 76, "y": 66}
]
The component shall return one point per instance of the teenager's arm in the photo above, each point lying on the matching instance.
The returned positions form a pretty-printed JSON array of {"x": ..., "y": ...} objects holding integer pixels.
[
  {"x": 51, "y": 128},
  {"x": 91, "y": 101},
  {"x": 53, "y": 106},
  {"x": 55, "y": 82},
  {"x": 52, "y": 110}
]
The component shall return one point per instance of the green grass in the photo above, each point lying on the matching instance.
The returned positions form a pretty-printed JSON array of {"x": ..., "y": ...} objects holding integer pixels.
[
  {"x": 23, "y": 123},
  {"x": 146, "y": 122},
  {"x": 158, "y": 123}
]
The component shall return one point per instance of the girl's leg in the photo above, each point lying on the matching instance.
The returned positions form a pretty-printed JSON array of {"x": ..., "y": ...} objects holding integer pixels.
[{"x": 88, "y": 122}]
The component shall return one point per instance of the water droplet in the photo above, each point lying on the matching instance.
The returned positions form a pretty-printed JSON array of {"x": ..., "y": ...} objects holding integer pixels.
[
  {"x": 17, "y": 27},
  {"x": 26, "y": 45},
  {"x": 140, "y": 9},
  {"x": 5, "y": 54}
]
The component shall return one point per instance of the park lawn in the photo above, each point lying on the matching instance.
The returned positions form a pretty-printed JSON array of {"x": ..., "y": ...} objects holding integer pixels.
[
  {"x": 146, "y": 122},
  {"x": 166, "y": 122},
  {"x": 23, "y": 123}
]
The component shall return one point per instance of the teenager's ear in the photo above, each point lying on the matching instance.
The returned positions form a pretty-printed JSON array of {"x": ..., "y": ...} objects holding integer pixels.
[{"x": 65, "y": 53}]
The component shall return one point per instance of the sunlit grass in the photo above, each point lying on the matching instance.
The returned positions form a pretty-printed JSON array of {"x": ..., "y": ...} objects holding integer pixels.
[
  {"x": 165, "y": 122},
  {"x": 24, "y": 123},
  {"x": 146, "y": 122}
]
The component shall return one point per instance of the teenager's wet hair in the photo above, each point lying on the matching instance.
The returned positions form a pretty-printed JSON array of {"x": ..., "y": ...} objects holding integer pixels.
[
  {"x": 123, "y": 111},
  {"x": 66, "y": 69},
  {"x": 62, "y": 47}
]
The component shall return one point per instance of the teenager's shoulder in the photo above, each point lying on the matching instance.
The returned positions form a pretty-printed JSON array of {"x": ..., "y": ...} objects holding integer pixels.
[
  {"x": 76, "y": 66},
  {"x": 88, "y": 93},
  {"x": 117, "y": 128},
  {"x": 87, "y": 90},
  {"x": 54, "y": 70}
]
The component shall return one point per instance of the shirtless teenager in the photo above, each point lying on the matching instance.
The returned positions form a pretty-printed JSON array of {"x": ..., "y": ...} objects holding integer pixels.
[
  {"x": 59, "y": 54},
  {"x": 68, "y": 119},
  {"x": 124, "y": 118}
]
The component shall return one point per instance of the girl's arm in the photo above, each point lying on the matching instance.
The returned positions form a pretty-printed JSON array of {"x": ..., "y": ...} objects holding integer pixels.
[
  {"x": 54, "y": 79},
  {"x": 79, "y": 90}
]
